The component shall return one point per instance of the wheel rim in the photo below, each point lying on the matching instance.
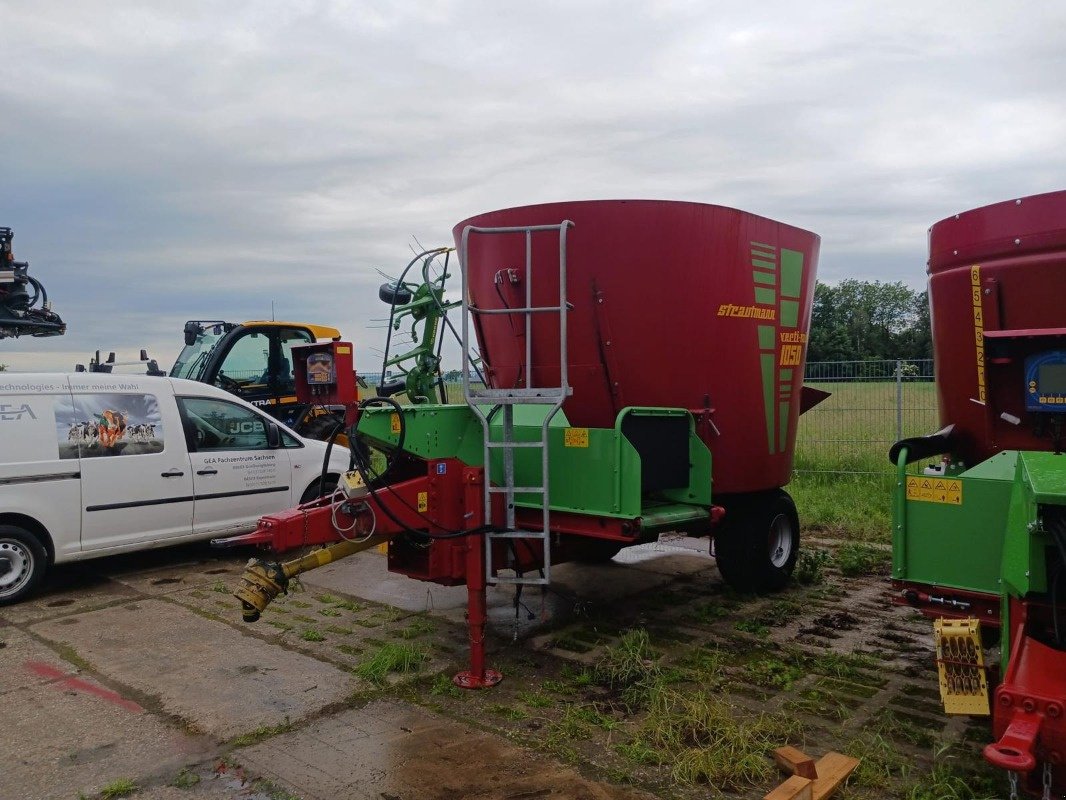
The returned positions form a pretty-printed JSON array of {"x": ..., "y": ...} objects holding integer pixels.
[
  {"x": 16, "y": 566},
  {"x": 780, "y": 541}
]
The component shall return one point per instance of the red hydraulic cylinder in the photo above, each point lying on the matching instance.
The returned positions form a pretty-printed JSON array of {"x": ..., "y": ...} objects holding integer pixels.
[{"x": 477, "y": 677}]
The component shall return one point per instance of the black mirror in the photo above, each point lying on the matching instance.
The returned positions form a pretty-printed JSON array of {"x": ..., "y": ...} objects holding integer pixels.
[
  {"x": 273, "y": 436},
  {"x": 192, "y": 330}
]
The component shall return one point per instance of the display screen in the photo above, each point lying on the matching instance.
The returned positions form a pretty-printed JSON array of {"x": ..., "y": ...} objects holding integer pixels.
[
  {"x": 1051, "y": 379},
  {"x": 320, "y": 369}
]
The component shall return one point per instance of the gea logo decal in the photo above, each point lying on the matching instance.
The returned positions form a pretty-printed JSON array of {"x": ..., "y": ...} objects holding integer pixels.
[{"x": 12, "y": 413}]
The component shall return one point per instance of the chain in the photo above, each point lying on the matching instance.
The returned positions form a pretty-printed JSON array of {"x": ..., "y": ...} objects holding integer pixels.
[
  {"x": 1013, "y": 778},
  {"x": 1047, "y": 780}
]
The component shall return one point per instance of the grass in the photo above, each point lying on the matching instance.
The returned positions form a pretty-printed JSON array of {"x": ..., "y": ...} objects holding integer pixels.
[
  {"x": 312, "y": 635},
  {"x": 398, "y": 657},
  {"x": 185, "y": 779},
  {"x": 123, "y": 787},
  {"x": 854, "y": 559},
  {"x": 261, "y": 733},
  {"x": 704, "y": 740},
  {"x": 630, "y": 668}
]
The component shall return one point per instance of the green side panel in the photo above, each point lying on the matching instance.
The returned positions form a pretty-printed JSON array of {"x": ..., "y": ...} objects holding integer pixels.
[
  {"x": 791, "y": 272},
  {"x": 765, "y": 278},
  {"x": 782, "y": 426},
  {"x": 958, "y": 546},
  {"x": 790, "y": 310},
  {"x": 768, "y": 396},
  {"x": 766, "y": 337},
  {"x": 766, "y": 297},
  {"x": 431, "y": 431},
  {"x": 1046, "y": 475},
  {"x": 786, "y": 379}
]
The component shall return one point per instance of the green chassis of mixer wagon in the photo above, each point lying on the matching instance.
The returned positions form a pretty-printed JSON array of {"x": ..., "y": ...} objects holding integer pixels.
[
  {"x": 992, "y": 541},
  {"x": 593, "y": 471}
]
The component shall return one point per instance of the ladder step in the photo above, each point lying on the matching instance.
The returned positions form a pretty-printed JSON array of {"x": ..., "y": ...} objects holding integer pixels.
[
  {"x": 515, "y": 489},
  {"x": 544, "y": 394},
  {"x": 509, "y": 445},
  {"x": 518, "y": 535},
  {"x": 525, "y": 310},
  {"x": 520, "y": 581}
]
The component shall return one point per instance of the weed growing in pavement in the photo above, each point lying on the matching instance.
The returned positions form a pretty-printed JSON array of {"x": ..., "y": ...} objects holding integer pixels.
[
  {"x": 773, "y": 673},
  {"x": 350, "y": 650},
  {"x": 400, "y": 657},
  {"x": 185, "y": 779},
  {"x": 123, "y": 787},
  {"x": 261, "y": 733},
  {"x": 630, "y": 669},
  {"x": 535, "y": 700},
  {"x": 948, "y": 781},
  {"x": 279, "y": 625},
  {"x": 220, "y": 587},
  {"x": 752, "y": 626},
  {"x": 846, "y": 666},
  {"x": 707, "y": 741},
  {"x": 312, "y": 635},
  {"x": 507, "y": 712},
  {"x": 418, "y": 627},
  {"x": 810, "y": 568},
  {"x": 327, "y": 598},
  {"x": 854, "y": 559},
  {"x": 329, "y": 612},
  {"x": 339, "y": 629},
  {"x": 880, "y": 762},
  {"x": 443, "y": 686},
  {"x": 349, "y": 605}
]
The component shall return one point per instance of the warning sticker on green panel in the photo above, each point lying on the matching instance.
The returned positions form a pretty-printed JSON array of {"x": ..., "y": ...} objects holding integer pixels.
[{"x": 934, "y": 490}]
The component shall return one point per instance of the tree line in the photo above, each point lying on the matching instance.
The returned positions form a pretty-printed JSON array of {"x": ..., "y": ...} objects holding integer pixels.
[{"x": 869, "y": 320}]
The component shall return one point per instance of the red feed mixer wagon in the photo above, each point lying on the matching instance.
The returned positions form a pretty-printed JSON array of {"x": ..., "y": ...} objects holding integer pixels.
[
  {"x": 643, "y": 365},
  {"x": 979, "y": 523}
]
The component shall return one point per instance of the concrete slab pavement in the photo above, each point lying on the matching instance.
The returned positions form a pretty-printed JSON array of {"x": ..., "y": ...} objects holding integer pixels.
[
  {"x": 203, "y": 671},
  {"x": 391, "y": 750},
  {"x": 64, "y": 732}
]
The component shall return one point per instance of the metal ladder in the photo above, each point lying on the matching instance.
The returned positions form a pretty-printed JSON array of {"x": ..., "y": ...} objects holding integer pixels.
[{"x": 506, "y": 399}]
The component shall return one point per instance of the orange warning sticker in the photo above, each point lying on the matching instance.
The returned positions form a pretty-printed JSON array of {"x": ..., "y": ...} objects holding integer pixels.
[
  {"x": 576, "y": 437},
  {"x": 934, "y": 490}
]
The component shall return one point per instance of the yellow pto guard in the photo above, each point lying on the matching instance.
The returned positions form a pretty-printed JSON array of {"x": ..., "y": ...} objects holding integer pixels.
[{"x": 960, "y": 662}]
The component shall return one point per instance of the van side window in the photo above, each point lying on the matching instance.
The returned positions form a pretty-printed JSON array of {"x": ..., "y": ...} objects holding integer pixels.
[{"x": 219, "y": 425}]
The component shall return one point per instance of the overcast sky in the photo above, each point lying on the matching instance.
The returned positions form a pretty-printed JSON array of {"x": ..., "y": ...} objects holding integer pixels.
[{"x": 200, "y": 159}]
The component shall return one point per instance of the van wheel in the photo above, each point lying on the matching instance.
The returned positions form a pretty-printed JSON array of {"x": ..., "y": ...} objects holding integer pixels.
[
  {"x": 757, "y": 542},
  {"x": 23, "y": 562},
  {"x": 312, "y": 492}
]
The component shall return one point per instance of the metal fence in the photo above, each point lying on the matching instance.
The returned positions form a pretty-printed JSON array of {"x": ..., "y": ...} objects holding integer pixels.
[{"x": 872, "y": 404}]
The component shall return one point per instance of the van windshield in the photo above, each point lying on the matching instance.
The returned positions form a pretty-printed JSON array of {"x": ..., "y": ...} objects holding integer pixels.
[{"x": 193, "y": 358}]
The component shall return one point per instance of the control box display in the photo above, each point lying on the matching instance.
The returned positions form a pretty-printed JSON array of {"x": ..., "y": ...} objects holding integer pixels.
[
  {"x": 1045, "y": 382},
  {"x": 321, "y": 370}
]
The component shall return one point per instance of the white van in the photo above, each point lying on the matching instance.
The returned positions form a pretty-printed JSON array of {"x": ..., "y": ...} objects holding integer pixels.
[{"x": 95, "y": 464}]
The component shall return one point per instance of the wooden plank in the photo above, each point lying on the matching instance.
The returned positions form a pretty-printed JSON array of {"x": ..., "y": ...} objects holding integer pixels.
[
  {"x": 795, "y": 762},
  {"x": 795, "y": 788},
  {"x": 833, "y": 769}
]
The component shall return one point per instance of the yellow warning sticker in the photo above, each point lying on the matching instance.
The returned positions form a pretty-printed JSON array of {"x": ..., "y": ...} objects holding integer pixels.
[
  {"x": 423, "y": 502},
  {"x": 576, "y": 437},
  {"x": 394, "y": 423},
  {"x": 934, "y": 490},
  {"x": 344, "y": 350}
]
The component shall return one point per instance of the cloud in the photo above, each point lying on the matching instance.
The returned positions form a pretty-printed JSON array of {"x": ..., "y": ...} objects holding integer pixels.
[{"x": 203, "y": 160}]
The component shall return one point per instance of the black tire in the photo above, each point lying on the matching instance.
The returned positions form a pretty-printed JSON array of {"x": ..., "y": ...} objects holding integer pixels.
[
  {"x": 320, "y": 427},
  {"x": 23, "y": 563},
  {"x": 312, "y": 492},
  {"x": 757, "y": 543},
  {"x": 394, "y": 295}
]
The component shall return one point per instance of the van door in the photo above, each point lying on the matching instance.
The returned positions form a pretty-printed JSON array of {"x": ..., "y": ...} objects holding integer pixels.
[
  {"x": 136, "y": 476},
  {"x": 237, "y": 476}
]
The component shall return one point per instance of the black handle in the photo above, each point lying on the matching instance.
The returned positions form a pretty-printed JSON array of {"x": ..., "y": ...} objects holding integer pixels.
[
  {"x": 172, "y": 473},
  {"x": 208, "y": 471}
]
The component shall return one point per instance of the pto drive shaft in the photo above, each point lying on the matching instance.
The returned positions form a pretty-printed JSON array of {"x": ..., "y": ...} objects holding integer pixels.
[{"x": 264, "y": 580}]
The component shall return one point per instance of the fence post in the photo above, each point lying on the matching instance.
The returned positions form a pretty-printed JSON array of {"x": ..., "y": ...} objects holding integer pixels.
[{"x": 899, "y": 399}]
